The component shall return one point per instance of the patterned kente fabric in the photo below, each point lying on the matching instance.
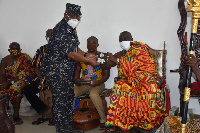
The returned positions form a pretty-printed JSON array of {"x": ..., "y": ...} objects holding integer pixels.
[
  {"x": 56, "y": 66},
  {"x": 136, "y": 99},
  {"x": 37, "y": 62},
  {"x": 20, "y": 68},
  {"x": 89, "y": 72}
]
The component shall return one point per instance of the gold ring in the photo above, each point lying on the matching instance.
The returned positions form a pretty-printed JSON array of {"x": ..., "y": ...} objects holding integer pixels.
[
  {"x": 108, "y": 56},
  {"x": 190, "y": 57}
]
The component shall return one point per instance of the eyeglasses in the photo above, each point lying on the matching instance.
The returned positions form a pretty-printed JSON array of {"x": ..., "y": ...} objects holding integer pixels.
[{"x": 14, "y": 49}]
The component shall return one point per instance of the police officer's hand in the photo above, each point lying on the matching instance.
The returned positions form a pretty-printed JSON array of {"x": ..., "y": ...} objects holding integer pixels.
[
  {"x": 93, "y": 62},
  {"x": 91, "y": 55}
]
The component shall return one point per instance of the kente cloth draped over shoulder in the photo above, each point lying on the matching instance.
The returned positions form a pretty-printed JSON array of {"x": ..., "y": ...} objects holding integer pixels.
[
  {"x": 56, "y": 66},
  {"x": 20, "y": 68},
  {"x": 136, "y": 99}
]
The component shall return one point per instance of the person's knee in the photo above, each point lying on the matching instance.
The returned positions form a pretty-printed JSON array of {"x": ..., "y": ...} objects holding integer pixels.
[
  {"x": 76, "y": 94},
  {"x": 94, "y": 95}
]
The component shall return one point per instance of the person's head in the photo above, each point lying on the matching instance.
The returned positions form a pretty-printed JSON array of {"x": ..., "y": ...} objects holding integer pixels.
[
  {"x": 92, "y": 44},
  {"x": 72, "y": 15},
  {"x": 125, "y": 39},
  {"x": 14, "y": 49},
  {"x": 48, "y": 33},
  {"x": 125, "y": 36}
]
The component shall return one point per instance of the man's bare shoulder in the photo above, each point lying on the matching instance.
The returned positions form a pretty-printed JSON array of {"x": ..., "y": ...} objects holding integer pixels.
[
  {"x": 4, "y": 59},
  {"x": 118, "y": 54}
]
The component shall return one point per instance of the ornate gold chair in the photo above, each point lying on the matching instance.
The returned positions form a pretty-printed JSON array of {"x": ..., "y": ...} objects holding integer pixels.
[{"x": 159, "y": 57}]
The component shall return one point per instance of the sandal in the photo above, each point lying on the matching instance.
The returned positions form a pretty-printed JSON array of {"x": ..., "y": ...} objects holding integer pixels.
[
  {"x": 17, "y": 121},
  {"x": 39, "y": 121},
  {"x": 111, "y": 129},
  {"x": 51, "y": 122},
  {"x": 102, "y": 126}
]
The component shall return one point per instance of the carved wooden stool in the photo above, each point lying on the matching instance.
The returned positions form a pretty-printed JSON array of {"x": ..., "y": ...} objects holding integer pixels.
[
  {"x": 86, "y": 102},
  {"x": 87, "y": 117}
]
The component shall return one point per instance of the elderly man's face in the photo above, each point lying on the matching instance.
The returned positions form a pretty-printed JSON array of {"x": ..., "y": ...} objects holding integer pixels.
[
  {"x": 14, "y": 49},
  {"x": 69, "y": 16}
]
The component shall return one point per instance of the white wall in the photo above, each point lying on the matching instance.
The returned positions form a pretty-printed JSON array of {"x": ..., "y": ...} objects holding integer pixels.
[{"x": 149, "y": 21}]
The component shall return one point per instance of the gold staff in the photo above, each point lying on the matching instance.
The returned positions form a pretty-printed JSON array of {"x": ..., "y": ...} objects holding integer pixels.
[{"x": 194, "y": 7}]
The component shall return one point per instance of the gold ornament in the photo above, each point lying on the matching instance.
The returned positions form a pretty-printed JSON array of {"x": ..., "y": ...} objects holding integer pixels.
[
  {"x": 187, "y": 94},
  {"x": 194, "y": 7}
]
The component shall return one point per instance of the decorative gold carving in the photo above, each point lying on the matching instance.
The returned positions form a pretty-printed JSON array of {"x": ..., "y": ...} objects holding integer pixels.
[
  {"x": 192, "y": 52},
  {"x": 187, "y": 94},
  {"x": 194, "y": 7},
  {"x": 183, "y": 126},
  {"x": 194, "y": 25}
]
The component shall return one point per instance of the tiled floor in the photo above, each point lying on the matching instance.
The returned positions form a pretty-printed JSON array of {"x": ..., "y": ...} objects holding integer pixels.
[{"x": 27, "y": 127}]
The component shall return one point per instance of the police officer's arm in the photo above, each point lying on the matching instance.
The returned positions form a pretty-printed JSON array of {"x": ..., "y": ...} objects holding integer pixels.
[
  {"x": 80, "y": 58},
  {"x": 81, "y": 52}
]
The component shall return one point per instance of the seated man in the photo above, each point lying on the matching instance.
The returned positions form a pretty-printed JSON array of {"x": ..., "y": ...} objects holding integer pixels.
[
  {"x": 136, "y": 99},
  {"x": 38, "y": 85},
  {"x": 14, "y": 75},
  {"x": 95, "y": 74}
]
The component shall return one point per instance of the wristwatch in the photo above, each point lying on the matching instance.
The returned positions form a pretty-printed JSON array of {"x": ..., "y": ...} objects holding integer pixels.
[
  {"x": 118, "y": 61},
  {"x": 12, "y": 82}
]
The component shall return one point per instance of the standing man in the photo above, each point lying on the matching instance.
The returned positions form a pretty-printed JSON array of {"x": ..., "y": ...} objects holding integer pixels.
[
  {"x": 59, "y": 66},
  {"x": 37, "y": 85},
  {"x": 14, "y": 75}
]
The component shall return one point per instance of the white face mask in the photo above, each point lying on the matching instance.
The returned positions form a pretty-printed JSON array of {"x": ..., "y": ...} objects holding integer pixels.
[
  {"x": 47, "y": 39},
  {"x": 73, "y": 23},
  {"x": 125, "y": 45}
]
